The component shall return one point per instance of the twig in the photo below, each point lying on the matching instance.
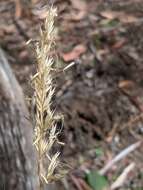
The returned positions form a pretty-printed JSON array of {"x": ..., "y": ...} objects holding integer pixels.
[
  {"x": 76, "y": 182},
  {"x": 120, "y": 156},
  {"x": 20, "y": 29},
  {"x": 122, "y": 178},
  {"x": 132, "y": 121}
]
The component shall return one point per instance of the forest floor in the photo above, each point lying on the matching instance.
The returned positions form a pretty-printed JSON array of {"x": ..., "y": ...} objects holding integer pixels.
[{"x": 101, "y": 96}]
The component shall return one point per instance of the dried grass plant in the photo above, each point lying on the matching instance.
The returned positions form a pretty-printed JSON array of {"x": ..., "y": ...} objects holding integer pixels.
[{"x": 46, "y": 132}]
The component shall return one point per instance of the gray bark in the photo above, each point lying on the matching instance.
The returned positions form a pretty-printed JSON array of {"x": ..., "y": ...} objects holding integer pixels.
[{"x": 17, "y": 158}]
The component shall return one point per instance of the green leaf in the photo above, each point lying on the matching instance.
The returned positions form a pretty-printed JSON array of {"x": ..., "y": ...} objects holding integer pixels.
[
  {"x": 99, "y": 152},
  {"x": 96, "y": 181},
  {"x": 113, "y": 23},
  {"x": 97, "y": 40},
  {"x": 110, "y": 23}
]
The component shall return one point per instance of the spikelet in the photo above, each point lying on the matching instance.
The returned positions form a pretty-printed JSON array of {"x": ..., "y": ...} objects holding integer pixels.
[{"x": 45, "y": 130}]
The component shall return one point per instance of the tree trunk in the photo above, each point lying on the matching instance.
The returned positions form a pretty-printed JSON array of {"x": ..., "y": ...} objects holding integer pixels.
[{"x": 17, "y": 159}]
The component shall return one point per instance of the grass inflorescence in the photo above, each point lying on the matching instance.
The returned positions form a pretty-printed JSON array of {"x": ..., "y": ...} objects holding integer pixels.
[{"x": 46, "y": 132}]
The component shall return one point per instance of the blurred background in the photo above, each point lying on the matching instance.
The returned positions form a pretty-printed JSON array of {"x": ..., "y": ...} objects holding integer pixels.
[{"x": 100, "y": 95}]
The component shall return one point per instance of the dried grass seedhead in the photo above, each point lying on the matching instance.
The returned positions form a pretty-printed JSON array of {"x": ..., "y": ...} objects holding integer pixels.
[{"x": 46, "y": 131}]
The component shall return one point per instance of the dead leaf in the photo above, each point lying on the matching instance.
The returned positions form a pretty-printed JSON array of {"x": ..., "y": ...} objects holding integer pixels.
[
  {"x": 40, "y": 13},
  {"x": 77, "y": 16},
  {"x": 74, "y": 53},
  {"x": 79, "y": 4},
  {"x": 8, "y": 29},
  {"x": 34, "y": 1},
  {"x": 119, "y": 44},
  {"x": 18, "y": 9},
  {"x": 125, "y": 84},
  {"x": 23, "y": 55},
  {"x": 121, "y": 16},
  {"x": 1, "y": 33},
  {"x": 102, "y": 53}
]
